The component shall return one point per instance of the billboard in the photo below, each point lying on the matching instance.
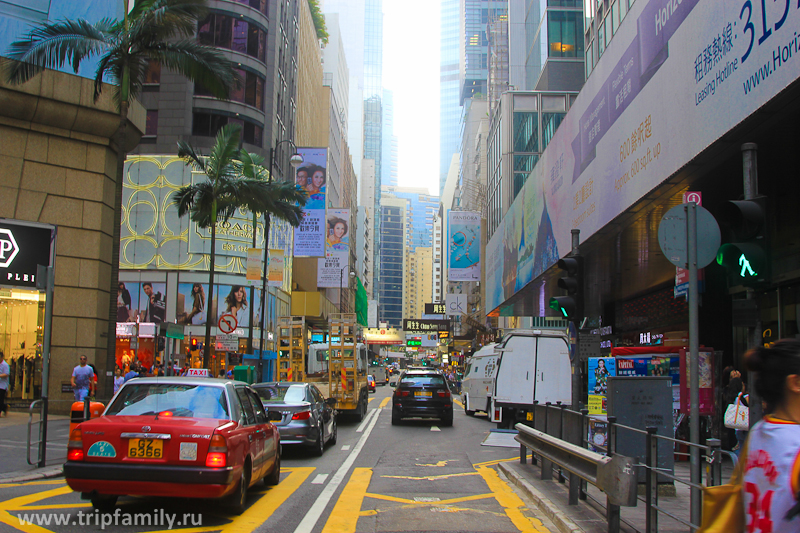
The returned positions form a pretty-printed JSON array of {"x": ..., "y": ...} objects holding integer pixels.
[
  {"x": 311, "y": 176},
  {"x": 338, "y": 230},
  {"x": 676, "y": 77},
  {"x": 331, "y": 270},
  {"x": 277, "y": 259},
  {"x": 464, "y": 246}
]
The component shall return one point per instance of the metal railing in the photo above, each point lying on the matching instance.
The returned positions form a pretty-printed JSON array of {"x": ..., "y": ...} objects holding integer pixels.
[
  {"x": 39, "y": 406},
  {"x": 554, "y": 423}
]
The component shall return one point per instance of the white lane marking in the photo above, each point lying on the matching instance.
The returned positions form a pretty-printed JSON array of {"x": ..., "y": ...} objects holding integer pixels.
[
  {"x": 434, "y": 428},
  {"x": 366, "y": 421},
  {"x": 320, "y": 479},
  {"x": 345, "y": 447},
  {"x": 316, "y": 510}
]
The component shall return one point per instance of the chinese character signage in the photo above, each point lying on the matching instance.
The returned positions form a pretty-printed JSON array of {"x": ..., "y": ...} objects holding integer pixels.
[
  {"x": 464, "y": 246},
  {"x": 436, "y": 309},
  {"x": 425, "y": 325},
  {"x": 332, "y": 270},
  {"x": 309, "y": 237}
]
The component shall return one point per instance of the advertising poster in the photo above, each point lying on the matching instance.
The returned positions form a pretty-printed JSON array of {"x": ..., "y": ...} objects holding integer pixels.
[
  {"x": 191, "y": 307},
  {"x": 277, "y": 259},
  {"x": 311, "y": 176},
  {"x": 145, "y": 300},
  {"x": 464, "y": 246},
  {"x": 338, "y": 239},
  {"x": 598, "y": 434},
  {"x": 597, "y": 404},
  {"x": 599, "y": 370},
  {"x": 332, "y": 270},
  {"x": 235, "y": 300},
  {"x": 676, "y": 77},
  {"x": 254, "y": 260},
  {"x": 632, "y": 366},
  {"x": 706, "y": 375}
]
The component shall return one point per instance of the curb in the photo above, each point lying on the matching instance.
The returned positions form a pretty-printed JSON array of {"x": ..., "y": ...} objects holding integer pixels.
[
  {"x": 47, "y": 472},
  {"x": 564, "y": 524}
]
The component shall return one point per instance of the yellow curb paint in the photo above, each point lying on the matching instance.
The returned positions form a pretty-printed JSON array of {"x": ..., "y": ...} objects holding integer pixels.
[
  {"x": 19, "y": 503},
  {"x": 268, "y": 503},
  {"x": 371, "y": 398},
  {"x": 458, "y": 402},
  {"x": 384, "y": 402},
  {"x": 344, "y": 517},
  {"x": 496, "y": 461},
  {"x": 433, "y": 478},
  {"x": 512, "y": 503},
  {"x": 29, "y": 483}
]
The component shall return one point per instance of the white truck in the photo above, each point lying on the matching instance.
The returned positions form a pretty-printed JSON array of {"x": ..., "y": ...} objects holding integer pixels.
[
  {"x": 477, "y": 385},
  {"x": 533, "y": 365}
]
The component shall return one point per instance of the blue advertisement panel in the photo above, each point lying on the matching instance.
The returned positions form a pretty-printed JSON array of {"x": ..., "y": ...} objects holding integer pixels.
[
  {"x": 676, "y": 77},
  {"x": 309, "y": 237},
  {"x": 464, "y": 246}
]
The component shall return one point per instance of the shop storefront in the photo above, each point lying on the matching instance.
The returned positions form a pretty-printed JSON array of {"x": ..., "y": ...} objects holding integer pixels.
[{"x": 23, "y": 246}]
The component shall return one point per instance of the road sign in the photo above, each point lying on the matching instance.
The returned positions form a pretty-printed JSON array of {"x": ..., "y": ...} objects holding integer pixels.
[
  {"x": 226, "y": 343},
  {"x": 171, "y": 331},
  {"x": 673, "y": 238},
  {"x": 227, "y": 322}
]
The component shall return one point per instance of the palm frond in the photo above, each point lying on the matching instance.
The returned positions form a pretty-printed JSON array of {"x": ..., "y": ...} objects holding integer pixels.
[
  {"x": 198, "y": 62},
  {"x": 52, "y": 45},
  {"x": 190, "y": 156},
  {"x": 223, "y": 153},
  {"x": 164, "y": 19}
]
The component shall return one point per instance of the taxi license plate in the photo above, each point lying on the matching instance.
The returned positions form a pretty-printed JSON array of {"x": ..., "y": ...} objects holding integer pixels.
[
  {"x": 529, "y": 416},
  {"x": 145, "y": 448},
  {"x": 425, "y": 394}
]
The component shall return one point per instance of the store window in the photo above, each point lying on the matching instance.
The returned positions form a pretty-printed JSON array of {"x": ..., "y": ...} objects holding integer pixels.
[{"x": 21, "y": 330}]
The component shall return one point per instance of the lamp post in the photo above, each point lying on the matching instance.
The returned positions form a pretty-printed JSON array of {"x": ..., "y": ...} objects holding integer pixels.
[
  {"x": 296, "y": 160},
  {"x": 341, "y": 282}
]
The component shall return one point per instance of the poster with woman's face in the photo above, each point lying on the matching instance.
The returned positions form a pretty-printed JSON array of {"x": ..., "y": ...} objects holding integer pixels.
[
  {"x": 195, "y": 300},
  {"x": 338, "y": 233},
  {"x": 235, "y": 300}
]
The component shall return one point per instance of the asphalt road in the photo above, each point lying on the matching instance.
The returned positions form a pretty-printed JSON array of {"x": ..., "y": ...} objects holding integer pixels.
[{"x": 377, "y": 478}]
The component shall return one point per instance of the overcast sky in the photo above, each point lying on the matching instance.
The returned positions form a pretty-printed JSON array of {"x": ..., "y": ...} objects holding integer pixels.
[{"x": 411, "y": 70}]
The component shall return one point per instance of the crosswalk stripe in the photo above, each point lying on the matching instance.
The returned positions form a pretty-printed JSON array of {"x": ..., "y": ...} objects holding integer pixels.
[
  {"x": 320, "y": 479},
  {"x": 434, "y": 428}
]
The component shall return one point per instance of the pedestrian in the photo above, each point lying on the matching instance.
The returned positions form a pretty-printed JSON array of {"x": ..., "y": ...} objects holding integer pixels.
[
  {"x": 82, "y": 377},
  {"x": 5, "y": 371},
  {"x": 133, "y": 372},
  {"x": 773, "y": 446},
  {"x": 735, "y": 392},
  {"x": 118, "y": 379}
]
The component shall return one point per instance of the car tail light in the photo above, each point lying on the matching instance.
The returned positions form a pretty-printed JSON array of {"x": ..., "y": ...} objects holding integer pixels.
[
  {"x": 301, "y": 415},
  {"x": 75, "y": 445},
  {"x": 497, "y": 414},
  {"x": 443, "y": 393},
  {"x": 401, "y": 392},
  {"x": 217, "y": 452}
]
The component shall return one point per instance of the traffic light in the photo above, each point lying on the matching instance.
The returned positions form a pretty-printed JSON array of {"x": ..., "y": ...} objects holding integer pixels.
[
  {"x": 746, "y": 254},
  {"x": 571, "y": 306}
]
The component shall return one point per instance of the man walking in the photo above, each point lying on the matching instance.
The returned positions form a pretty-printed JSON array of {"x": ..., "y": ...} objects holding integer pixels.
[
  {"x": 82, "y": 378},
  {"x": 4, "y": 373}
]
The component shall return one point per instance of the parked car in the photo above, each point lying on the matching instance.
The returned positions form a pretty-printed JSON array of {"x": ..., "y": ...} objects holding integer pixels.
[
  {"x": 371, "y": 383},
  {"x": 175, "y": 436},
  {"x": 477, "y": 385},
  {"x": 306, "y": 417},
  {"x": 422, "y": 393}
]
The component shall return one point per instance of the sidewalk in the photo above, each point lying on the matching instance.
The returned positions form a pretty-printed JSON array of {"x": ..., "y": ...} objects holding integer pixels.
[
  {"x": 14, "y": 466},
  {"x": 552, "y": 498}
]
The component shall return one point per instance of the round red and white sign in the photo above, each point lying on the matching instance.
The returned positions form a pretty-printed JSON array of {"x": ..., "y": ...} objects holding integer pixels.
[{"x": 227, "y": 323}]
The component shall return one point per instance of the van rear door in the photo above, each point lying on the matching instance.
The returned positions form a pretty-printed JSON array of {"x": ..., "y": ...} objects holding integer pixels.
[
  {"x": 516, "y": 371},
  {"x": 553, "y": 372}
]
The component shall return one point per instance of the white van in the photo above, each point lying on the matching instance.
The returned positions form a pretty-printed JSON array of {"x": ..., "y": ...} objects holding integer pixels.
[
  {"x": 533, "y": 365},
  {"x": 477, "y": 385}
]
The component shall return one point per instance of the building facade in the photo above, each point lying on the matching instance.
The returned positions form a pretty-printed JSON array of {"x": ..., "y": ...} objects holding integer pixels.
[{"x": 392, "y": 273}]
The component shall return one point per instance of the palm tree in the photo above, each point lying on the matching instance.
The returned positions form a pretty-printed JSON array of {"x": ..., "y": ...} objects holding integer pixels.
[
  {"x": 154, "y": 31},
  {"x": 234, "y": 182}
]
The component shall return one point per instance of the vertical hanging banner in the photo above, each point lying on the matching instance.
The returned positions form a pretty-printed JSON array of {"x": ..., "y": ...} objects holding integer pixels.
[
  {"x": 464, "y": 245},
  {"x": 332, "y": 270},
  {"x": 253, "y": 266},
  {"x": 309, "y": 236},
  {"x": 338, "y": 230},
  {"x": 277, "y": 259}
]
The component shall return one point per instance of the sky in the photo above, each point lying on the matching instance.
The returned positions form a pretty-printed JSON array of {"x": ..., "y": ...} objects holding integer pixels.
[{"x": 411, "y": 70}]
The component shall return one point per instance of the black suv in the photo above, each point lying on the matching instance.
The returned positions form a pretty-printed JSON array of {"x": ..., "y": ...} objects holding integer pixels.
[{"x": 422, "y": 393}]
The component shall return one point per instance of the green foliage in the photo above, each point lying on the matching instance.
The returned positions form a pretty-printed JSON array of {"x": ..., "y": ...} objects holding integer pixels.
[{"x": 319, "y": 21}]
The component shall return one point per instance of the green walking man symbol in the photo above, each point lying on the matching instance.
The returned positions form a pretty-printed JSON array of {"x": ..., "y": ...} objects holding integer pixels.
[{"x": 745, "y": 264}]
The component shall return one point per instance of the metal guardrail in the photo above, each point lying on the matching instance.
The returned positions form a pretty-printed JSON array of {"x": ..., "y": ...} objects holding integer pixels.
[
  {"x": 566, "y": 444},
  {"x": 41, "y": 445}
]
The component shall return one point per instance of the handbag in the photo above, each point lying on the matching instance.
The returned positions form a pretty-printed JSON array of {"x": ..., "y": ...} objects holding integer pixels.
[
  {"x": 723, "y": 505},
  {"x": 737, "y": 416}
]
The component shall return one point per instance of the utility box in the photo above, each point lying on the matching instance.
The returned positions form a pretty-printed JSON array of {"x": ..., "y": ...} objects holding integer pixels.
[
  {"x": 245, "y": 373},
  {"x": 640, "y": 402}
]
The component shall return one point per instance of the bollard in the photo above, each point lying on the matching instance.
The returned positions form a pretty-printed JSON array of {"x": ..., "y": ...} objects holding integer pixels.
[
  {"x": 651, "y": 480},
  {"x": 534, "y": 461},
  {"x": 612, "y": 511}
]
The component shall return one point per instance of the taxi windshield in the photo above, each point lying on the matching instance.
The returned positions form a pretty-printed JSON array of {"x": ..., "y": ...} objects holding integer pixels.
[{"x": 179, "y": 400}]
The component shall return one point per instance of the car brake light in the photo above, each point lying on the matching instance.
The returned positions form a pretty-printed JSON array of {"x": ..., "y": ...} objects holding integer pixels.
[
  {"x": 217, "y": 452},
  {"x": 301, "y": 415},
  {"x": 401, "y": 392},
  {"x": 497, "y": 414},
  {"x": 443, "y": 394},
  {"x": 75, "y": 445}
]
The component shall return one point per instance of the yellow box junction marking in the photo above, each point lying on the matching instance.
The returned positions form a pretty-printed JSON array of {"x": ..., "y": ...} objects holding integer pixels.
[
  {"x": 384, "y": 402},
  {"x": 438, "y": 463},
  {"x": 451, "y": 501},
  {"x": 268, "y": 502},
  {"x": 434, "y": 478},
  {"x": 511, "y": 502},
  {"x": 344, "y": 516}
]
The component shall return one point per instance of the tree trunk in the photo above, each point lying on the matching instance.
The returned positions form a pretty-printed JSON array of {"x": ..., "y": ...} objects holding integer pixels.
[
  {"x": 207, "y": 341},
  {"x": 111, "y": 345}
]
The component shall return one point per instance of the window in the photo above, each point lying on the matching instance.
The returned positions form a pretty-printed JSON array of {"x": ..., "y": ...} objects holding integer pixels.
[
  {"x": 550, "y": 123},
  {"x": 526, "y": 135},
  {"x": 207, "y": 124},
  {"x": 152, "y": 75},
  {"x": 565, "y": 33},
  {"x": 259, "y": 5},
  {"x": 247, "y": 407},
  {"x": 232, "y": 33},
  {"x": 151, "y": 126}
]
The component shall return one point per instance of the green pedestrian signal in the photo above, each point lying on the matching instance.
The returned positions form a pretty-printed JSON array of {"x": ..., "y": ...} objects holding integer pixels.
[
  {"x": 571, "y": 306},
  {"x": 745, "y": 255}
]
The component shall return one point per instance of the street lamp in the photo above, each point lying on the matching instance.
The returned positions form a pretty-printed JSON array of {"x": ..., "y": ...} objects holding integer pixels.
[
  {"x": 296, "y": 160},
  {"x": 341, "y": 282}
]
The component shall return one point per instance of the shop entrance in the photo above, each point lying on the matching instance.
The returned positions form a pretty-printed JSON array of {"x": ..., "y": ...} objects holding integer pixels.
[{"x": 21, "y": 329}]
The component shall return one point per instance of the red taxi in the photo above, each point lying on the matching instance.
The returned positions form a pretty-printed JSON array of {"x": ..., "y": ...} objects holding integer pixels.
[{"x": 175, "y": 436}]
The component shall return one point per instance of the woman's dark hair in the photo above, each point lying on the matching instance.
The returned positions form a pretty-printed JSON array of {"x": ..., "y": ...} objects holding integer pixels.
[
  {"x": 774, "y": 365},
  {"x": 230, "y": 299},
  {"x": 332, "y": 224},
  {"x": 726, "y": 375}
]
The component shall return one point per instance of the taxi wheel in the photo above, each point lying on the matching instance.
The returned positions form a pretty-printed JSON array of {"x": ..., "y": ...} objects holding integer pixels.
[
  {"x": 274, "y": 477},
  {"x": 104, "y": 502},
  {"x": 237, "y": 501}
]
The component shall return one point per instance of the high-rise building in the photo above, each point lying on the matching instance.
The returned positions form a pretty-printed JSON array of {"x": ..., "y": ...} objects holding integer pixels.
[
  {"x": 449, "y": 102},
  {"x": 474, "y": 18},
  {"x": 554, "y": 44},
  {"x": 389, "y": 152},
  {"x": 419, "y": 281},
  {"x": 422, "y": 207},
  {"x": 393, "y": 215}
]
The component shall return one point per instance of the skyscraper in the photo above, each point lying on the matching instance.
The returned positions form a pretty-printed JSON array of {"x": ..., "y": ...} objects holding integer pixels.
[{"x": 449, "y": 106}]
